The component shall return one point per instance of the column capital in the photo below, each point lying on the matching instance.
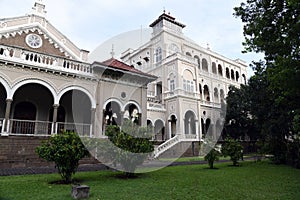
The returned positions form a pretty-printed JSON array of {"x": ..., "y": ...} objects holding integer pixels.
[{"x": 8, "y": 100}]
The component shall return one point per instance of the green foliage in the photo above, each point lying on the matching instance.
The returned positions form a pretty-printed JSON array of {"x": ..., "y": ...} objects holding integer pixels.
[
  {"x": 234, "y": 149},
  {"x": 273, "y": 28},
  {"x": 211, "y": 157},
  {"x": 132, "y": 145},
  {"x": 252, "y": 181},
  {"x": 65, "y": 150}
]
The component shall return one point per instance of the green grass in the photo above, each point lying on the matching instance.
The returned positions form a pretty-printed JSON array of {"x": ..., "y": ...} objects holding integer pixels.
[{"x": 250, "y": 181}]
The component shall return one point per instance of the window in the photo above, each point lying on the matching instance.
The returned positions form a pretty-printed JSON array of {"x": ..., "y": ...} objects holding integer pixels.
[
  {"x": 204, "y": 65},
  {"x": 206, "y": 93},
  {"x": 158, "y": 54},
  {"x": 188, "y": 85},
  {"x": 172, "y": 85},
  {"x": 227, "y": 73},
  {"x": 214, "y": 68},
  {"x": 232, "y": 74},
  {"x": 237, "y": 76},
  {"x": 220, "y": 70},
  {"x": 198, "y": 61}
]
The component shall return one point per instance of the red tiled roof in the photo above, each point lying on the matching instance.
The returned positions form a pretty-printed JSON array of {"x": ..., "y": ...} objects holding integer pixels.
[{"x": 114, "y": 63}]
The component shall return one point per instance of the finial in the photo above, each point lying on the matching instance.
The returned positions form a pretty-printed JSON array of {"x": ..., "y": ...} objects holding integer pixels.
[
  {"x": 164, "y": 10},
  {"x": 112, "y": 53},
  {"x": 208, "y": 47},
  {"x": 39, "y": 8}
]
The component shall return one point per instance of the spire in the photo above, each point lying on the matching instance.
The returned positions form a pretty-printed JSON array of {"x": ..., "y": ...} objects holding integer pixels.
[
  {"x": 112, "y": 53},
  {"x": 39, "y": 8}
]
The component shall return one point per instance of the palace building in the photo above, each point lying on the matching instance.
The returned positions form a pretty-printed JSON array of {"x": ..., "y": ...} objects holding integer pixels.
[
  {"x": 184, "y": 103},
  {"x": 47, "y": 85}
]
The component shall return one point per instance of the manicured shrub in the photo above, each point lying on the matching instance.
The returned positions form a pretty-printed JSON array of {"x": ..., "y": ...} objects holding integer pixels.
[
  {"x": 65, "y": 150},
  {"x": 233, "y": 149},
  {"x": 132, "y": 144}
]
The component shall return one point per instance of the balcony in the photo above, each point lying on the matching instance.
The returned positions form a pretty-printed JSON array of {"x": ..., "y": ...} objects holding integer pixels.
[
  {"x": 43, "y": 128},
  {"x": 43, "y": 61}
]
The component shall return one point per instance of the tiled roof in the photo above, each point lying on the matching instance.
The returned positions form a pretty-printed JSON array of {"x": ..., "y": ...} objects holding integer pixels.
[{"x": 114, "y": 63}]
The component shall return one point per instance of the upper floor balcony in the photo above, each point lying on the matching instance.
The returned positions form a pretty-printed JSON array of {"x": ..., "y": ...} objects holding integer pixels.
[{"x": 43, "y": 61}]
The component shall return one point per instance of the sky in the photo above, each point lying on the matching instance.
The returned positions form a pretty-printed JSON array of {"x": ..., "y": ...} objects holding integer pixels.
[{"x": 89, "y": 24}]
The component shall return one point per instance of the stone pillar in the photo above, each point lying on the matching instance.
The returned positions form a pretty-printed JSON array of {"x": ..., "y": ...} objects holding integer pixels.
[
  {"x": 54, "y": 118},
  {"x": 170, "y": 128},
  {"x": 93, "y": 111},
  {"x": 197, "y": 129},
  {"x": 7, "y": 114}
]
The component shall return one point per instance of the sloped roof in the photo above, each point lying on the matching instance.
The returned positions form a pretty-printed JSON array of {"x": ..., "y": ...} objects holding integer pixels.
[{"x": 114, "y": 63}]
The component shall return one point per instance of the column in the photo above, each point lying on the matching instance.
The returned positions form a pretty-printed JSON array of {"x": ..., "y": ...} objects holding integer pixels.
[
  {"x": 54, "y": 119},
  {"x": 93, "y": 111},
  {"x": 170, "y": 128},
  {"x": 7, "y": 114}
]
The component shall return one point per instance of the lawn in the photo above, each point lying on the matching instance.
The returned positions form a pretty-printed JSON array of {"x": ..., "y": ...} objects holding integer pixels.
[{"x": 250, "y": 181}]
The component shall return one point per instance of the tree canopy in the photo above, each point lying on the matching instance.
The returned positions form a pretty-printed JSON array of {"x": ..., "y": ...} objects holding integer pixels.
[{"x": 271, "y": 97}]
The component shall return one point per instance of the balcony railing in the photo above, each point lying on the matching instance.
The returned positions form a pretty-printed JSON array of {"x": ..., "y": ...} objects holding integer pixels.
[
  {"x": 45, "y": 61},
  {"x": 44, "y": 128}
]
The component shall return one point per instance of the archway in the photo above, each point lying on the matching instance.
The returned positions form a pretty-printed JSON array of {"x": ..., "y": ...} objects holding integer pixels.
[
  {"x": 112, "y": 114},
  {"x": 132, "y": 113},
  {"x": 190, "y": 123},
  {"x": 39, "y": 100},
  {"x": 76, "y": 111},
  {"x": 159, "y": 130},
  {"x": 24, "y": 115},
  {"x": 172, "y": 125}
]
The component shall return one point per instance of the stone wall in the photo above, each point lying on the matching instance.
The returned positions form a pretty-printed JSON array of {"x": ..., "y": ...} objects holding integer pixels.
[{"x": 19, "y": 152}]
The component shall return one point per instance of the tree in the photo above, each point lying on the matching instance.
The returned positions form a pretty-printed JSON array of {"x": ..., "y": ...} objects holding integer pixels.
[
  {"x": 233, "y": 149},
  {"x": 132, "y": 145},
  {"x": 273, "y": 27},
  {"x": 65, "y": 150},
  {"x": 212, "y": 156}
]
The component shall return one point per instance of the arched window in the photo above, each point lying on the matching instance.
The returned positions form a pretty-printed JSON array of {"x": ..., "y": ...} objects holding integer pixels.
[
  {"x": 222, "y": 95},
  {"x": 198, "y": 61},
  {"x": 158, "y": 54},
  {"x": 200, "y": 91},
  {"x": 227, "y": 73},
  {"x": 237, "y": 76},
  {"x": 188, "y": 81},
  {"x": 220, "y": 70},
  {"x": 232, "y": 74},
  {"x": 172, "y": 83},
  {"x": 216, "y": 95},
  {"x": 244, "y": 77},
  {"x": 173, "y": 125},
  {"x": 159, "y": 130},
  {"x": 188, "y": 54},
  {"x": 206, "y": 93},
  {"x": 189, "y": 123},
  {"x": 214, "y": 68},
  {"x": 204, "y": 65}
]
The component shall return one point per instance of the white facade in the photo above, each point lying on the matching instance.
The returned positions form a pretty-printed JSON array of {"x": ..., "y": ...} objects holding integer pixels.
[{"x": 184, "y": 103}]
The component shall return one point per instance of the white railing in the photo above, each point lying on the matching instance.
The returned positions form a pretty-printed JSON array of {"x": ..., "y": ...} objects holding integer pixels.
[
  {"x": 29, "y": 127},
  {"x": 2, "y": 121},
  {"x": 44, "y": 60},
  {"x": 181, "y": 92},
  {"x": 210, "y": 104},
  {"x": 80, "y": 129},
  {"x": 166, "y": 145},
  {"x": 190, "y": 136},
  {"x": 33, "y": 127}
]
